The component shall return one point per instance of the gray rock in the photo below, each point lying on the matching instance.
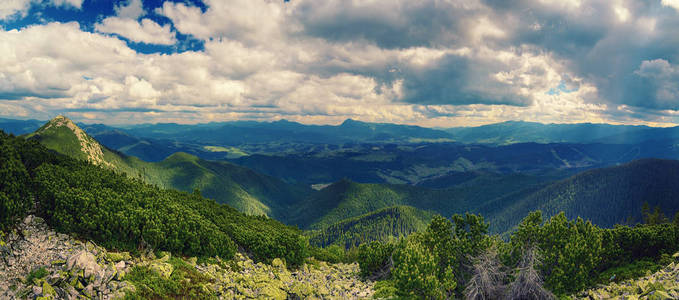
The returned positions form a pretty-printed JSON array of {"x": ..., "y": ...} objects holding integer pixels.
[
  {"x": 85, "y": 261},
  {"x": 37, "y": 290}
]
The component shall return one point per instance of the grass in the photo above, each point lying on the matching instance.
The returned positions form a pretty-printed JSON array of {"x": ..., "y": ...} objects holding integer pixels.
[
  {"x": 629, "y": 271},
  {"x": 37, "y": 273},
  {"x": 184, "y": 283}
]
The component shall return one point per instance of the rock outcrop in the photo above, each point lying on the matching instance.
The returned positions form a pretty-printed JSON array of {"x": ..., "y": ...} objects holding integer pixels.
[
  {"x": 316, "y": 280},
  {"x": 38, "y": 263}
]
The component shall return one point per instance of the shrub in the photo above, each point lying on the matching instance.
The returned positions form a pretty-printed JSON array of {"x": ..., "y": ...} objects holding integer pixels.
[{"x": 375, "y": 259}]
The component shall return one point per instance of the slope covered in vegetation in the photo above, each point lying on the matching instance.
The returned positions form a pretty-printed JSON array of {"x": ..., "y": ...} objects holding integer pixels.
[
  {"x": 383, "y": 224},
  {"x": 242, "y": 188},
  {"x": 347, "y": 199},
  {"x": 543, "y": 258},
  {"x": 91, "y": 202},
  {"x": 607, "y": 196}
]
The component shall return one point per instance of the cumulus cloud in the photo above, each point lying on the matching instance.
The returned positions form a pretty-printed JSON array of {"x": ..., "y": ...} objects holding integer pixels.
[
  {"x": 19, "y": 8},
  {"x": 11, "y": 8},
  {"x": 146, "y": 31},
  {"x": 671, "y": 3},
  {"x": 438, "y": 63},
  {"x": 74, "y": 3},
  {"x": 133, "y": 10}
]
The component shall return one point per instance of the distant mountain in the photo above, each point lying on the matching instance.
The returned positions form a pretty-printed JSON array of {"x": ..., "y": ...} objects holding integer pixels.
[
  {"x": 606, "y": 196},
  {"x": 380, "y": 225},
  {"x": 238, "y": 133},
  {"x": 436, "y": 164},
  {"x": 237, "y": 186},
  {"x": 582, "y": 133},
  {"x": 19, "y": 127}
]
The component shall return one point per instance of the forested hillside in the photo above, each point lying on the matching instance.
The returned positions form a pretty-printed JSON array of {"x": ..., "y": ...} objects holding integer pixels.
[
  {"x": 606, "y": 196},
  {"x": 237, "y": 186},
  {"x": 346, "y": 199},
  {"x": 92, "y": 202},
  {"x": 386, "y": 224}
]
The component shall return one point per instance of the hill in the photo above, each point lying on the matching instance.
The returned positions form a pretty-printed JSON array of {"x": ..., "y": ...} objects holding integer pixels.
[
  {"x": 606, "y": 196},
  {"x": 91, "y": 202},
  {"x": 237, "y": 186},
  {"x": 380, "y": 225},
  {"x": 347, "y": 199}
]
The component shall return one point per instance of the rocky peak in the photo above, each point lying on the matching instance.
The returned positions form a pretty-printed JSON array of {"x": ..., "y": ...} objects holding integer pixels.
[{"x": 88, "y": 145}]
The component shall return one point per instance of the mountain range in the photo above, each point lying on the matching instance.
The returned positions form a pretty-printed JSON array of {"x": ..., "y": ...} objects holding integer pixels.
[{"x": 398, "y": 187}]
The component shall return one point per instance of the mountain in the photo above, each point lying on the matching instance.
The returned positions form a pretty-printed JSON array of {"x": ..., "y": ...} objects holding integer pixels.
[
  {"x": 237, "y": 186},
  {"x": 62, "y": 135},
  {"x": 19, "y": 127},
  {"x": 606, "y": 196},
  {"x": 347, "y": 199},
  {"x": 380, "y": 225},
  {"x": 283, "y": 131},
  {"x": 418, "y": 163},
  {"x": 583, "y": 133}
]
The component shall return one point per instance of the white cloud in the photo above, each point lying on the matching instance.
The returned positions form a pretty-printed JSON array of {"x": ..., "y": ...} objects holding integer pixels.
[
  {"x": 251, "y": 22},
  {"x": 147, "y": 31},
  {"x": 671, "y": 3},
  {"x": 449, "y": 63},
  {"x": 74, "y": 3},
  {"x": 133, "y": 10},
  {"x": 10, "y": 8},
  {"x": 19, "y": 8},
  {"x": 126, "y": 25}
]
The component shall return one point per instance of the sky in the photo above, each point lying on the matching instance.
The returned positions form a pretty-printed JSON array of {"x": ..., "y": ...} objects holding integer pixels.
[{"x": 440, "y": 63}]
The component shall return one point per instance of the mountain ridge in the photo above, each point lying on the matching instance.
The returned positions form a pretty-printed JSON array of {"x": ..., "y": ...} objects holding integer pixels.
[{"x": 242, "y": 188}]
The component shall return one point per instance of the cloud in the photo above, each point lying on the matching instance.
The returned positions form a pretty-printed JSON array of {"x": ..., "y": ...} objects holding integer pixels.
[
  {"x": 19, "y": 8},
  {"x": 133, "y": 10},
  {"x": 125, "y": 24},
  {"x": 436, "y": 63},
  {"x": 145, "y": 31},
  {"x": 671, "y": 3},
  {"x": 11, "y": 8},
  {"x": 74, "y": 3}
]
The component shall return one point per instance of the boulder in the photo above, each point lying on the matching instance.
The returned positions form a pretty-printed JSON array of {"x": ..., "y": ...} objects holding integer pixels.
[
  {"x": 85, "y": 261},
  {"x": 164, "y": 269}
]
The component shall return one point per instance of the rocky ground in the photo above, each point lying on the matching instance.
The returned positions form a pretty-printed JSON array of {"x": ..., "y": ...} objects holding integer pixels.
[
  {"x": 38, "y": 263},
  {"x": 317, "y": 280},
  {"x": 663, "y": 284}
]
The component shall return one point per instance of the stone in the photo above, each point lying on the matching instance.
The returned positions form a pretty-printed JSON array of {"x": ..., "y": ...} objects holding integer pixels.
[
  {"x": 163, "y": 269},
  {"x": 37, "y": 290},
  {"x": 120, "y": 266},
  {"x": 84, "y": 261},
  {"x": 47, "y": 289},
  {"x": 118, "y": 256}
]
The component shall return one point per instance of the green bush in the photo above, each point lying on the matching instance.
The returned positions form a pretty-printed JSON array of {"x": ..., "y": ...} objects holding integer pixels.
[
  {"x": 37, "y": 273},
  {"x": 416, "y": 271},
  {"x": 331, "y": 254},
  {"x": 15, "y": 190},
  {"x": 185, "y": 282},
  {"x": 374, "y": 259}
]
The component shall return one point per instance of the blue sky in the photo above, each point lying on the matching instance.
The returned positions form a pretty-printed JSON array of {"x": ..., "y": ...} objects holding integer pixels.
[{"x": 429, "y": 62}]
